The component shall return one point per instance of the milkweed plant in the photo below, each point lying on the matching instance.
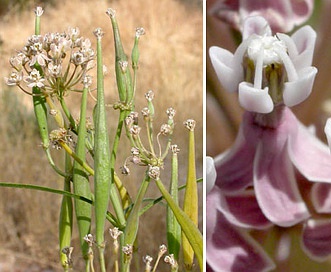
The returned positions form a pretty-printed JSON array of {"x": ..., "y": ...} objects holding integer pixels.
[{"x": 49, "y": 68}]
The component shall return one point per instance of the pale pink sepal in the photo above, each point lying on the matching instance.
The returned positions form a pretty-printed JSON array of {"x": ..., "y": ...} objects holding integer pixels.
[
  {"x": 316, "y": 239},
  {"x": 229, "y": 248},
  {"x": 255, "y": 100}
]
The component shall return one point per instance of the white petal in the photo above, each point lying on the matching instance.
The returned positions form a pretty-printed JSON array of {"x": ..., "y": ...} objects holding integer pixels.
[
  {"x": 304, "y": 40},
  {"x": 255, "y": 25},
  {"x": 256, "y": 100},
  {"x": 224, "y": 65},
  {"x": 297, "y": 91}
]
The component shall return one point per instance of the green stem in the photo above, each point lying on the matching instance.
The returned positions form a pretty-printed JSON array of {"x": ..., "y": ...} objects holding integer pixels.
[{"x": 76, "y": 158}]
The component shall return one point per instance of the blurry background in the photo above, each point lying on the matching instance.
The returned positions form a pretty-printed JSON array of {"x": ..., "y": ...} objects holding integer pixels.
[
  {"x": 170, "y": 64},
  {"x": 223, "y": 110}
]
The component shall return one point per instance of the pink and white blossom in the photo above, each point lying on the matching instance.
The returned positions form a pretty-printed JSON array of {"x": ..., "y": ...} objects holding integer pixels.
[
  {"x": 277, "y": 173},
  {"x": 267, "y": 70}
]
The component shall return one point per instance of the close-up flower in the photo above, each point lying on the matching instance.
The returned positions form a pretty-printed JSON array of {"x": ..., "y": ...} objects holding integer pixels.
[
  {"x": 269, "y": 70},
  {"x": 276, "y": 177}
]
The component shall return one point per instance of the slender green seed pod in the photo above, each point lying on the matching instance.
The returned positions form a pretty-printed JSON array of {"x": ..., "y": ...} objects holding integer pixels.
[
  {"x": 102, "y": 174},
  {"x": 191, "y": 196},
  {"x": 65, "y": 220},
  {"x": 81, "y": 182},
  {"x": 173, "y": 227}
]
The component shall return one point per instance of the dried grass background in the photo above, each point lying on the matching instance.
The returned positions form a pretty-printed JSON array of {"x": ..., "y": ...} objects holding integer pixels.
[{"x": 170, "y": 65}]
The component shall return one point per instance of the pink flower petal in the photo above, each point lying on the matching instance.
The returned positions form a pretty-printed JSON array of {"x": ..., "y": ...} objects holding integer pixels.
[
  {"x": 321, "y": 197},
  {"x": 316, "y": 239},
  {"x": 297, "y": 91},
  {"x": 275, "y": 183},
  {"x": 309, "y": 155},
  {"x": 227, "y": 247},
  {"x": 255, "y": 100},
  {"x": 243, "y": 210}
]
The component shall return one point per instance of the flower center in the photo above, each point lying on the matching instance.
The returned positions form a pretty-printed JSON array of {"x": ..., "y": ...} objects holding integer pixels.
[{"x": 269, "y": 46}]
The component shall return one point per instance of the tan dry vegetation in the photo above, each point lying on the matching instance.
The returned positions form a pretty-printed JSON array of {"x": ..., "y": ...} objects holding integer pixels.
[{"x": 170, "y": 64}]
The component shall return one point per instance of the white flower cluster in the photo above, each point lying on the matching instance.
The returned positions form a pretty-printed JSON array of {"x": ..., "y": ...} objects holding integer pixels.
[{"x": 54, "y": 62}]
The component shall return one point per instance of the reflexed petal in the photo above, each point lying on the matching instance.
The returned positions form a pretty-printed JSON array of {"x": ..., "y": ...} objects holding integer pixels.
[
  {"x": 316, "y": 239},
  {"x": 235, "y": 167},
  {"x": 297, "y": 91},
  {"x": 321, "y": 197},
  {"x": 275, "y": 183},
  {"x": 243, "y": 210},
  {"x": 310, "y": 155},
  {"x": 255, "y": 100},
  {"x": 210, "y": 174},
  {"x": 224, "y": 65},
  {"x": 227, "y": 247}
]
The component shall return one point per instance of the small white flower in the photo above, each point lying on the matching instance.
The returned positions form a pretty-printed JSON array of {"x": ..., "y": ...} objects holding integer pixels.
[
  {"x": 34, "y": 79},
  {"x": 54, "y": 70},
  {"x": 39, "y": 11},
  {"x": 14, "y": 79},
  {"x": 149, "y": 95}
]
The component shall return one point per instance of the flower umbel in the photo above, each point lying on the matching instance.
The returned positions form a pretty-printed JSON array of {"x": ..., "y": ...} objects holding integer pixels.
[{"x": 55, "y": 62}]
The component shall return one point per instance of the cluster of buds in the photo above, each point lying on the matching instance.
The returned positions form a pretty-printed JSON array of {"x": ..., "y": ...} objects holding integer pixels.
[
  {"x": 54, "y": 62},
  {"x": 140, "y": 155}
]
